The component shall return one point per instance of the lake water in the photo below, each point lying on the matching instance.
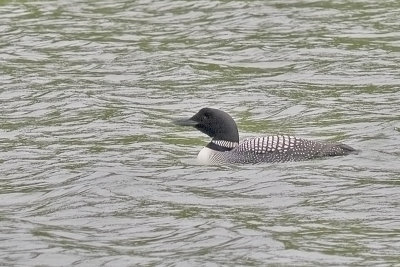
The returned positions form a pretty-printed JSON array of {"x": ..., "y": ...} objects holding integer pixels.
[{"x": 93, "y": 172}]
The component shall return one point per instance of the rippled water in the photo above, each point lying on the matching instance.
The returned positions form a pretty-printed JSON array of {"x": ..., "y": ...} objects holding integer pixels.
[{"x": 93, "y": 172}]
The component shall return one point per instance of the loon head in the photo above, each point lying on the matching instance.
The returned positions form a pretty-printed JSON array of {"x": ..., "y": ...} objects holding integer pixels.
[{"x": 215, "y": 123}]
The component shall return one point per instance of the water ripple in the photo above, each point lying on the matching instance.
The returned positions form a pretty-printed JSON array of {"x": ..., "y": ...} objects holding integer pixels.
[{"x": 93, "y": 172}]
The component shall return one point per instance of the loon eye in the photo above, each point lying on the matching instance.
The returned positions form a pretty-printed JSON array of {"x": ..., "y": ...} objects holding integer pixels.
[{"x": 206, "y": 115}]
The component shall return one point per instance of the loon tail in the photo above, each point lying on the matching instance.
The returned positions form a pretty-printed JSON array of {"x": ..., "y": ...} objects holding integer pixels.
[
  {"x": 348, "y": 149},
  {"x": 339, "y": 149}
]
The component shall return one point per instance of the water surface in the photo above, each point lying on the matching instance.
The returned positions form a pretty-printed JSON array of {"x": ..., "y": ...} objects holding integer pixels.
[{"x": 93, "y": 172}]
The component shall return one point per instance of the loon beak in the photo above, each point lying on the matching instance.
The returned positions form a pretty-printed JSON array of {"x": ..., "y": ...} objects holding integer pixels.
[{"x": 186, "y": 122}]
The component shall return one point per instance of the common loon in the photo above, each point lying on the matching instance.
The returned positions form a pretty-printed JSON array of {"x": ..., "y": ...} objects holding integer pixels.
[{"x": 225, "y": 147}]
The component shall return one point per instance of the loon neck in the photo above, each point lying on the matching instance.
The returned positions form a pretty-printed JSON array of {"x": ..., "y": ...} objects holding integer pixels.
[{"x": 222, "y": 145}]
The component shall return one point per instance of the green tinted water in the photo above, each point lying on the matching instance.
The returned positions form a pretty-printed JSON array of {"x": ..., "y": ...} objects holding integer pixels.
[{"x": 93, "y": 172}]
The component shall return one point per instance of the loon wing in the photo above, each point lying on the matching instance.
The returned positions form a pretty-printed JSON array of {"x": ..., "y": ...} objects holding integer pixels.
[
  {"x": 293, "y": 146},
  {"x": 268, "y": 144}
]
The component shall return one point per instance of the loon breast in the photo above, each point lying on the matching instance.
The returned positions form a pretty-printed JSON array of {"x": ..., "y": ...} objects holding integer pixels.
[{"x": 206, "y": 155}]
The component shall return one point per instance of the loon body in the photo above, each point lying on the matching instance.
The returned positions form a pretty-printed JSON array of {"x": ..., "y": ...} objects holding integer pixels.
[{"x": 225, "y": 147}]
